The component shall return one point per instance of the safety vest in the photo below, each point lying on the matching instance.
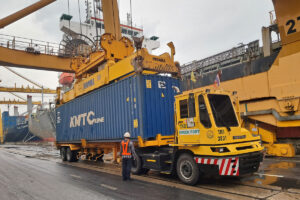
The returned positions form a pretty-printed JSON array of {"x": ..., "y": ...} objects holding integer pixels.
[{"x": 125, "y": 148}]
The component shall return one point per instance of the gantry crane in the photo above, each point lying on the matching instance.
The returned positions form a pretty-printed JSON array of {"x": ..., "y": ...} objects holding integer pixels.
[
  {"x": 11, "y": 90},
  {"x": 13, "y": 101},
  {"x": 24, "y": 12},
  {"x": 17, "y": 102},
  {"x": 112, "y": 58},
  {"x": 27, "y": 89}
]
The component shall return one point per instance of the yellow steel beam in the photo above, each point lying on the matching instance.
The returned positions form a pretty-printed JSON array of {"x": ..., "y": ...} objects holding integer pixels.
[
  {"x": 111, "y": 18},
  {"x": 23, "y": 59},
  {"x": 24, "y": 12},
  {"x": 27, "y": 90},
  {"x": 17, "y": 102},
  {"x": 288, "y": 19}
]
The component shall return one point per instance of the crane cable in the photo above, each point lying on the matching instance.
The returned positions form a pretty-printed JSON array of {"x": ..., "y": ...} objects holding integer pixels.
[
  {"x": 79, "y": 17},
  {"x": 69, "y": 13},
  {"x": 131, "y": 17},
  {"x": 96, "y": 21}
]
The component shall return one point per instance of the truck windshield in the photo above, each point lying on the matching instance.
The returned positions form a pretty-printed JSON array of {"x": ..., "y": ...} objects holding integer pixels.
[
  {"x": 204, "y": 117},
  {"x": 223, "y": 111}
]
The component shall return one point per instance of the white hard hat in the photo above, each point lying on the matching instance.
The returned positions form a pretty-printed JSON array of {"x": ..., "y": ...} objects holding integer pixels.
[{"x": 127, "y": 135}]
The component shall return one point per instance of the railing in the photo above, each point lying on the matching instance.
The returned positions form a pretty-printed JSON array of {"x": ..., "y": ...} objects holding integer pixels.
[
  {"x": 252, "y": 49},
  {"x": 30, "y": 45}
]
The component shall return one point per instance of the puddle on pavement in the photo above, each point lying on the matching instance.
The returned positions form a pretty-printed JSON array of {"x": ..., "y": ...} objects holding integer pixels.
[
  {"x": 281, "y": 174},
  {"x": 10, "y": 147}
]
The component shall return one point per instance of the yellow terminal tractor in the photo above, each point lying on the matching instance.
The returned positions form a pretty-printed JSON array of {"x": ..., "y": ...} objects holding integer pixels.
[{"x": 208, "y": 139}]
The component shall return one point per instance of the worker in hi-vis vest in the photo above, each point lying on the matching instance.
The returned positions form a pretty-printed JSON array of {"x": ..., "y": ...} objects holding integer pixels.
[{"x": 127, "y": 151}]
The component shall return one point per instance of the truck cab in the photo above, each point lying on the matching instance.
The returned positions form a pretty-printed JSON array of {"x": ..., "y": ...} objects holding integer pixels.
[
  {"x": 208, "y": 140},
  {"x": 209, "y": 118},
  {"x": 208, "y": 130}
]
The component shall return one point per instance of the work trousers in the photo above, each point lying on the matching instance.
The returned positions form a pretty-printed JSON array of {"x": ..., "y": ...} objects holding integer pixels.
[{"x": 126, "y": 168}]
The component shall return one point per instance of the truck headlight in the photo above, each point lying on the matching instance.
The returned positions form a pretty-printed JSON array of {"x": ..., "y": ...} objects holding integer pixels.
[{"x": 220, "y": 149}]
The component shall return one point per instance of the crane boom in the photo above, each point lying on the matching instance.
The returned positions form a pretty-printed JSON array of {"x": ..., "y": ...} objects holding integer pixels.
[
  {"x": 24, "y": 12},
  {"x": 17, "y": 102},
  {"x": 27, "y": 90},
  {"x": 111, "y": 18},
  {"x": 23, "y": 59},
  {"x": 20, "y": 75},
  {"x": 18, "y": 96}
]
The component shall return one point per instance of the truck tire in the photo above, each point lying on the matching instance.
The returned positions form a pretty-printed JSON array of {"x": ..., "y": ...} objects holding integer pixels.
[
  {"x": 63, "y": 154},
  {"x": 137, "y": 166},
  {"x": 187, "y": 169},
  {"x": 71, "y": 155}
]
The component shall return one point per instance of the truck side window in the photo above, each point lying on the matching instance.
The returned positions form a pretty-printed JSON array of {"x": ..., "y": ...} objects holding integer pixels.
[
  {"x": 184, "y": 108},
  {"x": 204, "y": 117}
]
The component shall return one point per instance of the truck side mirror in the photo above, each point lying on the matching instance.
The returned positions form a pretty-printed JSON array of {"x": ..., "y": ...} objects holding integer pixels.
[{"x": 192, "y": 111}]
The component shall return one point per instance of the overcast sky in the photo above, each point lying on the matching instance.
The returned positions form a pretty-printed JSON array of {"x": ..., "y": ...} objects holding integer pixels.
[{"x": 198, "y": 28}]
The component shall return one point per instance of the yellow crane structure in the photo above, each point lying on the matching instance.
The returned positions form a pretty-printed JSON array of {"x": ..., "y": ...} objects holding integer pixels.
[
  {"x": 111, "y": 59},
  {"x": 24, "y": 12},
  {"x": 17, "y": 102},
  {"x": 27, "y": 89},
  {"x": 116, "y": 58},
  {"x": 30, "y": 90},
  {"x": 18, "y": 58},
  {"x": 11, "y": 56}
]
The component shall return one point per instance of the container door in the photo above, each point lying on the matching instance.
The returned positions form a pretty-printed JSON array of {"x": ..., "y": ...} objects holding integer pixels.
[
  {"x": 204, "y": 123},
  {"x": 187, "y": 123}
]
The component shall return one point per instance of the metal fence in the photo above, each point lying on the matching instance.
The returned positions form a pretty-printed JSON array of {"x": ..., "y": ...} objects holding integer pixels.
[
  {"x": 30, "y": 45},
  {"x": 234, "y": 54}
]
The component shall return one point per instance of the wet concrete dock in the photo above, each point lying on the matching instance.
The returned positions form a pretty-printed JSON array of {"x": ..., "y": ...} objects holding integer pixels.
[{"x": 34, "y": 172}]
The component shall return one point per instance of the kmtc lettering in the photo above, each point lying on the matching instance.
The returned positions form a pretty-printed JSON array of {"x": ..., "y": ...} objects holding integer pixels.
[{"x": 85, "y": 118}]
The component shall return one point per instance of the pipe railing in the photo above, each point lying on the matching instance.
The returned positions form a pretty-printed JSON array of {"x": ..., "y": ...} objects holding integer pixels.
[{"x": 30, "y": 45}]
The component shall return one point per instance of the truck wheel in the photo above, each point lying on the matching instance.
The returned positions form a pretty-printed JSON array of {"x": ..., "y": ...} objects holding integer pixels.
[
  {"x": 63, "y": 154},
  {"x": 187, "y": 169},
  {"x": 71, "y": 155},
  {"x": 137, "y": 166}
]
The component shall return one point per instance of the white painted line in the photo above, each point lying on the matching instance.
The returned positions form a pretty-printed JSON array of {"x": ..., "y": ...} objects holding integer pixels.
[
  {"x": 279, "y": 176},
  {"x": 109, "y": 187},
  {"x": 75, "y": 176}
]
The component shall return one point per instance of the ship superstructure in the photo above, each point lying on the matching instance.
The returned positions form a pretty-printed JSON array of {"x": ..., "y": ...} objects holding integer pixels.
[{"x": 78, "y": 33}]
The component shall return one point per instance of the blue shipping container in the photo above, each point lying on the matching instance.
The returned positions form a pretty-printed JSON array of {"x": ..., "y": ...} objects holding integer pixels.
[{"x": 140, "y": 104}]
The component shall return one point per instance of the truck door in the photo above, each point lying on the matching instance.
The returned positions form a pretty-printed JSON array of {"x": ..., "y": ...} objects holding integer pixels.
[{"x": 187, "y": 122}]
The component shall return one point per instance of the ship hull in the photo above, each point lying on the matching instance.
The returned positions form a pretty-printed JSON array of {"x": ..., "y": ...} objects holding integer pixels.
[
  {"x": 42, "y": 124},
  {"x": 257, "y": 66},
  {"x": 19, "y": 133}
]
